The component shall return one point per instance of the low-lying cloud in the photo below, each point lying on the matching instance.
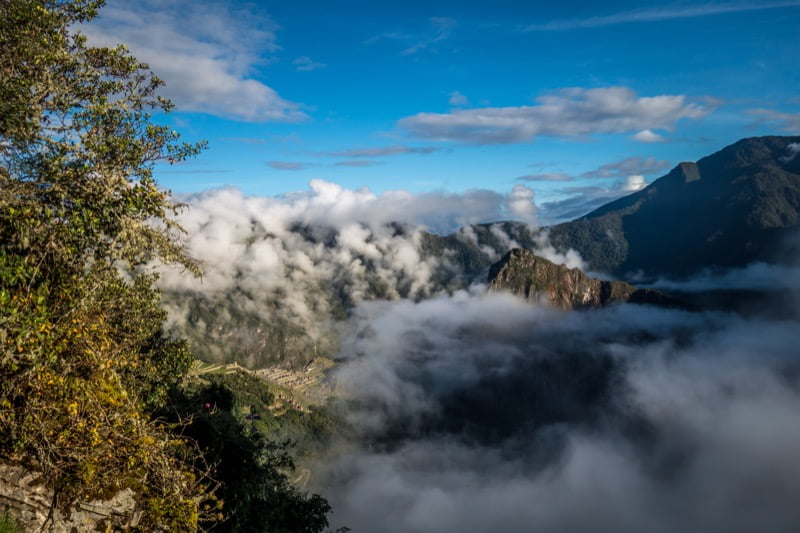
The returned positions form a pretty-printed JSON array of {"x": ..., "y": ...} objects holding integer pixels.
[
  {"x": 628, "y": 167},
  {"x": 479, "y": 413},
  {"x": 757, "y": 276},
  {"x": 280, "y": 272},
  {"x": 581, "y": 200}
]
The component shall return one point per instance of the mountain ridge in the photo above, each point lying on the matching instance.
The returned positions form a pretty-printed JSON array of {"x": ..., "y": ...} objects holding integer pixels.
[
  {"x": 535, "y": 279},
  {"x": 726, "y": 210}
]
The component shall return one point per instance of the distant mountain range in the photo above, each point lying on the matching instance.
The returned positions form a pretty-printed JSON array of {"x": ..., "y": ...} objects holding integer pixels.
[{"x": 727, "y": 210}]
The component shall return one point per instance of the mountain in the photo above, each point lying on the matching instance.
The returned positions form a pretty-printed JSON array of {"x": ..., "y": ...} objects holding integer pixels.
[
  {"x": 726, "y": 210},
  {"x": 536, "y": 279},
  {"x": 281, "y": 291}
]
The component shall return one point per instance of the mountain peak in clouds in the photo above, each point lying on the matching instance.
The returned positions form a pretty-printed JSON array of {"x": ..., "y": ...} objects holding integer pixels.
[
  {"x": 727, "y": 210},
  {"x": 536, "y": 279}
]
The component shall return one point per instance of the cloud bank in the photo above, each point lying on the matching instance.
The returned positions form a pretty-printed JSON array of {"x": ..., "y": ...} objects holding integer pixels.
[
  {"x": 565, "y": 113},
  {"x": 280, "y": 272},
  {"x": 788, "y": 122},
  {"x": 479, "y": 413}
]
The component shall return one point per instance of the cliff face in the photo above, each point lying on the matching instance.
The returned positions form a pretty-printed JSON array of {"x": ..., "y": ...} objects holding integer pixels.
[
  {"x": 536, "y": 279},
  {"x": 28, "y": 502}
]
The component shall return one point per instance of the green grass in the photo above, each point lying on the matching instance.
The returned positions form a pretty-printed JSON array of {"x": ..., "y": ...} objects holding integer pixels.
[{"x": 8, "y": 524}]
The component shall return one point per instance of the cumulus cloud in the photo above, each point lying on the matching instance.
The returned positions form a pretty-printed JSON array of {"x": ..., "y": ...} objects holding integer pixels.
[
  {"x": 648, "y": 136},
  {"x": 306, "y": 64},
  {"x": 206, "y": 54},
  {"x": 479, "y": 413},
  {"x": 276, "y": 270},
  {"x": 788, "y": 122},
  {"x": 565, "y": 113},
  {"x": 521, "y": 204}
]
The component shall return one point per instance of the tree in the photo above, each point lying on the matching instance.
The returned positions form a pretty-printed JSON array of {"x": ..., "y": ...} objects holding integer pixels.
[
  {"x": 252, "y": 470},
  {"x": 83, "y": 356}
]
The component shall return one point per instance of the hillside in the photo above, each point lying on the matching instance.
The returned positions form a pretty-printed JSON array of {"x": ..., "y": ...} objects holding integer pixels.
[
  {"x": 536, "y": 279},
  {"x": 278, "y": 294},
  {"x": 726, "y": 210}
]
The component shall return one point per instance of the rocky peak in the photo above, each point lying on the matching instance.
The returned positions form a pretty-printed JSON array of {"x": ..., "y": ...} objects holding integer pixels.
[{"x": 536, "y": 279}]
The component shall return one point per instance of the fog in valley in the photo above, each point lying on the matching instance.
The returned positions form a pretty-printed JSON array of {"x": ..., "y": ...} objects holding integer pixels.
[
  {"x": 474, "y": 411},
  {"x": 481, "y": 413}
]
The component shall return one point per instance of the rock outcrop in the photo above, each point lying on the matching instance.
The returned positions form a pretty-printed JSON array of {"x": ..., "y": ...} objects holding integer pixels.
[
  {"x": 538, "y": 280},
  {"x": 28, "y": 501}
]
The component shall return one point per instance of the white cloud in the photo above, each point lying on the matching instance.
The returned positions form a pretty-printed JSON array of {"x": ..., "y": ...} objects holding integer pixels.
[
  {"x": 634, "y": 183},
  {"x": 584, "y": 199},
  {"x": 521, "y": 204},
  {"x": 794, "y": 150},
  {"x": 631, "y": 168},
  {"x": 650, "y": 14},
  {"x": 565, "y": 113},
  {"x": 755, "y": 276},
  {"x": 442, "y": 28},
  {"x": 306, "y": 64},
  {"x": 628, "y": 167},
  {"x": 458, "y": 100},
  {"x": 477, "y": 413},
  {"x": 788, "y": 122},
  {"x": 648, "y": 136},
  {"x": 206, "y": 54},
  {"x": 286, "y": 265}
]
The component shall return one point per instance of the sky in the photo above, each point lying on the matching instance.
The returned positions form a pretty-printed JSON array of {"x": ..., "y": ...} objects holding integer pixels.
[{"x": 572, "y": 103}]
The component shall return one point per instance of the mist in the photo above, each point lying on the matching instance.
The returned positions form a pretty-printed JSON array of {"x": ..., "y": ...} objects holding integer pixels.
[
  {"x": 474, "y": 411},
  {"x": 479, "y": 413},
  {"x": 281, "y": 273}
]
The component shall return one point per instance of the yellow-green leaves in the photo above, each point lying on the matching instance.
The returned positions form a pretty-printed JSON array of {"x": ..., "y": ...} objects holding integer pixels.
[{"x": 83, "y": 357}]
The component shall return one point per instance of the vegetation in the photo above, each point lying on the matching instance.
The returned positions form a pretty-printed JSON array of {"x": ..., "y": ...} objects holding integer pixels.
[
  {"x": 8, "y": 524},
  {"x": 231, "y": 422},
  {"x": 730, "y": 209},
  {"x": 84, "y": 360}
]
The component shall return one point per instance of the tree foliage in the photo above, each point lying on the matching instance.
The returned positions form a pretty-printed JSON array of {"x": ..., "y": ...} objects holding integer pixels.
[
  {"x": 86, "y": 367},
  {"x": 83, "y": 357},
  {"x": 252, "y": 471}
]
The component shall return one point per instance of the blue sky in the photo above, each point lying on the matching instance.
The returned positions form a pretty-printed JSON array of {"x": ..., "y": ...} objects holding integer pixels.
[{"x": 577, "y": 101}]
